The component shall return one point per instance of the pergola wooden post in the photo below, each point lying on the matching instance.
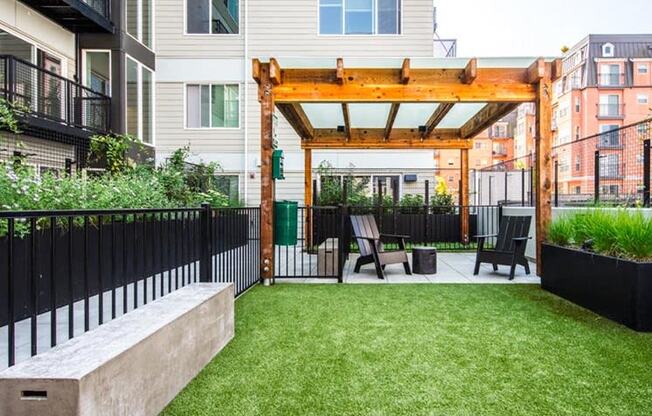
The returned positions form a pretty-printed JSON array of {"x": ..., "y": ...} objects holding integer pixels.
[
  {"x": 464, "y": 192},
  {"x": 307, "y": 195},
  {"x": 500, "y": 89},
  {"x": 264, "y": 74}
]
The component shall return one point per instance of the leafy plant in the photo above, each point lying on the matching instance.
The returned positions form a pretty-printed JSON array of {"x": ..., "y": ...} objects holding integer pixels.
[
  {"x": 442, "y": 201},
  {"x": 8, "y": 119},
  {"x": 625, "y": 233},
  {"x": 113, "y": 149}
]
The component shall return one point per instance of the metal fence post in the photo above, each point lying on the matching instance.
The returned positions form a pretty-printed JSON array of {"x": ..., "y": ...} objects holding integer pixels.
[
  {"x": 646, "y": 172},
  {"x": 556, "y": 183},
  {"x": 342, "y": 243},
  {"x": 427, "y": 210},
  {"x": 596, "y": 178},
  {"x": 506, "y": 173},
  {"x": 522, "y": 187},
  {"x": 205, "y": 266}
]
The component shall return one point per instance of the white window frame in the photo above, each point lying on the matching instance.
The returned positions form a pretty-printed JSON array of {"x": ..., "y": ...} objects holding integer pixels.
[
  {"x": 611, "y": 48},
  {"x": 643, "y": 69},
  {"x": 210, "y": 105},
  {"x": 375, "y": 23},
  {"x": 139, "y": 83},
  {"x": 84, "y": 61},
  {"x": 139, "y": 24},
  {"x": 210, "y": 11}
]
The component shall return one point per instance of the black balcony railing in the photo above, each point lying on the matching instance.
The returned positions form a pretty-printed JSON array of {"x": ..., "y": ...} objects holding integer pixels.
[
  {"x": 49, "y": 96},
  {"x": 611, "y": 111},
  {"x": 79, "y": 16}
]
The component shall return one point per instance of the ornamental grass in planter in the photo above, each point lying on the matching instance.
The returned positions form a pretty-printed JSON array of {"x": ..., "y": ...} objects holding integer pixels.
[{"x": 602, "y": 260}]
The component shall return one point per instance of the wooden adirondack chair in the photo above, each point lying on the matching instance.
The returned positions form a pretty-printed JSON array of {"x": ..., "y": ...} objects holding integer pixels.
[
  {"x": 366, "y": 233},
  {"x": 511, "y": 241}
]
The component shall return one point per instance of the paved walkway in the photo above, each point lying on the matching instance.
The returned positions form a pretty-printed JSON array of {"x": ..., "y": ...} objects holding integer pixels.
[{"x": 451, "y": 268}]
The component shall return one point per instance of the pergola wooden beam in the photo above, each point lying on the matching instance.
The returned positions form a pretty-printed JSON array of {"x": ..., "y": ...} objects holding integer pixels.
[
  {"x": 490, "y": 114},
  {"x": 425, "y": 85},
  {"x": 275, "y": 72},
  {"x": 375, "y": 139},
  {"x": 393, "y": 111},
  {"x": 536, "y": 71},
  {"x": 347, "y": 121},
  {"x": 298, "y": 119},
  {"x": 470, "y": 72},
  {"x": 339, "y": 71},
  {"x": 405, "y": 71},
  {"x": 436, "y": 118}
]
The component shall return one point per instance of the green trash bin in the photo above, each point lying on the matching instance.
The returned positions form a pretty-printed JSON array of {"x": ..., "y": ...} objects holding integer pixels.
[{"x": 285, "y": 223}]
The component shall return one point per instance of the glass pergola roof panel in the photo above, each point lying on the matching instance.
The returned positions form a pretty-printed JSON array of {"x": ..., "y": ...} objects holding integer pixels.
[
  {"x": 369, "y": 115},
  {"x": 324, "y": 116},
  {"x": 412, "y": 115},
  {"x": 460, "y": 114}
]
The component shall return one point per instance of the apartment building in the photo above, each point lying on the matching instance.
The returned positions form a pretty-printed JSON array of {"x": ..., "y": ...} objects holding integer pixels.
[
  {"x": 606, "y": 84},
  {"x": 77, "y": 68},
  {"x": 206, "y": 99}
]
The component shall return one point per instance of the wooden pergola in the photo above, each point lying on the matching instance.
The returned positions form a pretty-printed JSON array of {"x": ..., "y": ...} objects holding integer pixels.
[{"x": 499, "y": 89}]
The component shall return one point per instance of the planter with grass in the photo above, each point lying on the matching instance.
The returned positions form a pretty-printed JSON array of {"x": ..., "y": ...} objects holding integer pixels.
[{"x": 602, "y": 260}]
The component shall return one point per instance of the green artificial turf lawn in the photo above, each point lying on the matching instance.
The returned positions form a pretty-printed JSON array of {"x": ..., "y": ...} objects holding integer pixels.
[{"x": 421, "y": 349}]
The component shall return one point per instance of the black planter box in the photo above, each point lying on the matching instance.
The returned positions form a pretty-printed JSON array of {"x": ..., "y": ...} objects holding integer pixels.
[{"x": 617, "y": 289}]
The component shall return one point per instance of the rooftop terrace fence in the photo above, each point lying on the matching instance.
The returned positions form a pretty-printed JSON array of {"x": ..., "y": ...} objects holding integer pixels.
[
  {"x": 610, "y": 168},
  {"x": 63, "y": 273}
]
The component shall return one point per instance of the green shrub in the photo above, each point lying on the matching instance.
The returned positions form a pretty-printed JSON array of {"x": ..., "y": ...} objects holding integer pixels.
[{"x": 625, "y": 233}]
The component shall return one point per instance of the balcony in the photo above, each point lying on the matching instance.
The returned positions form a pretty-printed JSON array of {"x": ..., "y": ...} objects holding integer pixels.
[
  {"x": 610, "y": 79},
  {"x": 51, "y": 101},
  {"x": 614, "y": 111},
  {"x": 79, "y": 16}
]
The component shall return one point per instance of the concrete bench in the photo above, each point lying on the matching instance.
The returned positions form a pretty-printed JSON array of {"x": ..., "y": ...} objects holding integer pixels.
[{"x": 133, "y": 365}]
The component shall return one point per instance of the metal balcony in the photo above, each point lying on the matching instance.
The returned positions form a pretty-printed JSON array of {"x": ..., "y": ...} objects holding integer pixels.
[
  {"x": 79, "y": 16},
  {"x": 51, "y": 101},
  {"x": 611, "y": 111}
]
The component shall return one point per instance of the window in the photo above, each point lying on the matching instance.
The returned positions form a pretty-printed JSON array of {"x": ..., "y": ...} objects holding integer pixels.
[
  {"x": 228, "y": 185},
  {"x": 610, "y": 75},
  {"x": 609, "y": 189},
  {"x": 140, "y": 99},
  {"x": 212, "y": 17},
  {"x": 478, "y": 145},
  {"x": 577, "y": 132},
  {"x": 139, "y": 20},
  {"x": 212, "y": 106},
  {"x": 451, "y": 162},
  {"x": 609, "y": 106},
  {"x": 608, "y": 50},
  {"x": 578, "y": 162},
  {"x": 97, "y": 71},
  {"x": 642, "y": 99},
  {"x": 609, "y": 166},
  {"x": 12, "y": 45},
  {"x": 578, "y": 105},
  {"x": 578, "y": 190},
  {"x": 359, "y": 17},
  {"x": 609, "y": 135},
  {"x": 642, "y": 68}
]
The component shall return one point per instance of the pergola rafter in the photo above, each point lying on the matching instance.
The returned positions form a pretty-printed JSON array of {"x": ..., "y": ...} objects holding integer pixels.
[{"x": 500, "y": 89}]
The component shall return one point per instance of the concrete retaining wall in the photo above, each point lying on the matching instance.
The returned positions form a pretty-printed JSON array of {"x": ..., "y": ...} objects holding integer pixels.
[
  {"x": 530, "y": 251},
  {"x": 133, "y": 365}
]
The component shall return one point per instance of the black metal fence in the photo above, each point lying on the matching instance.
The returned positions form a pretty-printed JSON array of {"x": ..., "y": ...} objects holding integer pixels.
[
  {"x": 610, "y": 168},
  {"x": 50, "y": 96},
  {"x": 70, "y": 271}
]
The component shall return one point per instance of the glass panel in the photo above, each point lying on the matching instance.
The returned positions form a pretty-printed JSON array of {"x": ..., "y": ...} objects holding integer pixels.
[
  {"x": 231, "y": 106},
  {"x": 205, "y": 105},
  {"x": 148, "y": 108},
  {"x": 330, "y": 17},
  {"x": 324, "y": 116},
  {"x": 224, "y": 17},
  {"x": 132, "y": 17},
  {"x": 359, "y": 17},
  {"x": 217, "y": 113},
  {"x": 11, "y": 45},
  {"x": 413, "y": 115},
  {"x": 369, "y": 115},
  {"x": 98, "y": 72},
  {"x": 460, "y": 114},
  {"x": 132, "y": 97},
  {"x": 147, "y": 23},
  {"x": 197, "y": 16},
  {"x": 389, "y": 16},
  {"x": 193, "y": 115}
]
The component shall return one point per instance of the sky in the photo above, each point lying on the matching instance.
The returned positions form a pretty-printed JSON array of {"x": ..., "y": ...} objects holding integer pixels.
[{"x": 535, "y": 28}]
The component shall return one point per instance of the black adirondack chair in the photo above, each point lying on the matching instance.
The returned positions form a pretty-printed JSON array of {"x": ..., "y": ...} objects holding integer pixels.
[
  {"x": 511, "y": 241},
  {"x": 365, "y": 231}
]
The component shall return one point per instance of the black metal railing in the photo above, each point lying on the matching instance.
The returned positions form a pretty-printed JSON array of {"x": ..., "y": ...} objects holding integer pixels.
[
  {"x": 47, "y": 95},
  {"x": 71, "y": 271},
  {"x": 103, "y": 7},
  {"x": 607, "y": 111},
  {"x": 612, "y": 167},
  {"x": 611, "y": 79}
]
